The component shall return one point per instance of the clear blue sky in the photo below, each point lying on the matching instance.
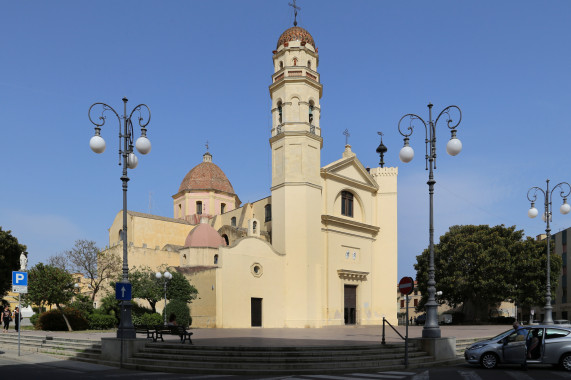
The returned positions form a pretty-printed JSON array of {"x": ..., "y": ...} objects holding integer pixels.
[{"x": 204, "y": 67}]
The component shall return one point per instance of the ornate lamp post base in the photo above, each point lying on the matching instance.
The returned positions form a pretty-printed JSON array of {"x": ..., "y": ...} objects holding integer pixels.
[{"x": 126, "y": 329}]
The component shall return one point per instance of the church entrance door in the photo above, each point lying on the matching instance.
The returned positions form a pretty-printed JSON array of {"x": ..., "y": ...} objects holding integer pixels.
[
  {"x": 256, "y": 309},
  {"x": 350, "y": 304}
]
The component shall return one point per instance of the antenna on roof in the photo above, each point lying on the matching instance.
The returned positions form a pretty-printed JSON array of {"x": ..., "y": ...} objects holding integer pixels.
[{"x": 295, "y": 9}]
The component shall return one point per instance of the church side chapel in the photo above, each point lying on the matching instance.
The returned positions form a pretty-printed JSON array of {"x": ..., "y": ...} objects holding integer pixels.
[{"x": 320, "y": 250}]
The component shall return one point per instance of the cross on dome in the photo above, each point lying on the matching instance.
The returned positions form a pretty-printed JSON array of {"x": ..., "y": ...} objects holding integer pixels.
[{"x": 295, "y": 9}]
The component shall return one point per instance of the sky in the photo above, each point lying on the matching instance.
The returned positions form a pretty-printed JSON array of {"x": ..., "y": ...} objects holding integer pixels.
[{"x": 204, "y": 67}]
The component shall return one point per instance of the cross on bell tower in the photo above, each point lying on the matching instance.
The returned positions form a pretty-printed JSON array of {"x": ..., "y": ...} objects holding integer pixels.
[{"x": 295, "y": 9}]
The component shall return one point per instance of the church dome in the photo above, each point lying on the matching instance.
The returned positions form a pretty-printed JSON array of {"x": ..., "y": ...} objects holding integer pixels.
[
  {"x": 296, "y": 34},
  {"x": 204, "y": 235},
  {"x": 206, "y": 176}
]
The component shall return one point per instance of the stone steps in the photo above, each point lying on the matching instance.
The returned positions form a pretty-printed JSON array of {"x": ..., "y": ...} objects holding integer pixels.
[{"x": 55, "y": 346}]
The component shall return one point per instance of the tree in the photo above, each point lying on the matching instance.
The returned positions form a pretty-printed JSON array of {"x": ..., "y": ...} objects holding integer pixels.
[
  {"x": 145, "y": 285},
  {"x": 49, "y": 285},
  {"x": 481, "y": 266},
  {"x": 85, "y": 258},
  {"x": 10, "y": 251}
]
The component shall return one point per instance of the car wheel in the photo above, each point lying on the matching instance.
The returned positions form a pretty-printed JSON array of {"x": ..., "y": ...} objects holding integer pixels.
[
  {"x": 565, "y": 362},
  {"x": 490, "y": 360}
]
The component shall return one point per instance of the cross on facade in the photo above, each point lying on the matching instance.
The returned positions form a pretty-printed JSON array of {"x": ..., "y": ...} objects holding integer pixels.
[
  {"x": 206, "y": 145},
  {"x": 295, "y": 9},
  {"x": 347, "y": 134}
]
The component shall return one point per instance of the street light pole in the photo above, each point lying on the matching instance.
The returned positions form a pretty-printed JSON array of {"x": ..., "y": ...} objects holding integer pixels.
[
  {"x": 130, "y": 161},
  {"x": 565, "y": 190},
  {"x": 167, "y": 276},
  {"x": 431, "y": 328}
]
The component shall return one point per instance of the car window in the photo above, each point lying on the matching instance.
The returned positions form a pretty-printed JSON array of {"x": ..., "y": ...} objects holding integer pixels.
[
  {"x": 555, "y": 333},
  {"x": 515, "y": 337}
]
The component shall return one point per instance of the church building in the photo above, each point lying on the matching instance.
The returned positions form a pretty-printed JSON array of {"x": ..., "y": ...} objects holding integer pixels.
[{"x": 320, "y": 250}]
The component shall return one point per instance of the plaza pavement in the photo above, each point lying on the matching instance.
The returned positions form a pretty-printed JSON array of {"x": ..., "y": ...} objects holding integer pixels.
[{"x": 267, "y": 337}]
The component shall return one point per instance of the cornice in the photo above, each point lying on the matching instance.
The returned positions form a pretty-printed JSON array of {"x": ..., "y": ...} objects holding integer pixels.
[
  {"x": 349, "y": 181},
  {"x": 297, "y": 134},
  {"x": 355, "y": 275},
  {"x": 295, "y": 184},
  {"x": 348, "y": 223}
]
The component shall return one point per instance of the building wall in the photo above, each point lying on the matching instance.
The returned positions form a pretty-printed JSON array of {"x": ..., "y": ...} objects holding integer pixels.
[
  {"x": 145, "y": 230},
  {"x": 237, "y": 283}
]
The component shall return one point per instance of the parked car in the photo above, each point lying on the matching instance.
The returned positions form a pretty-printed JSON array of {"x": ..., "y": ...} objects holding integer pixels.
[
  {"x": 445, "y": 319},
  {"x": 554, "y": 347},
  {"x": 420, "y": 320}
]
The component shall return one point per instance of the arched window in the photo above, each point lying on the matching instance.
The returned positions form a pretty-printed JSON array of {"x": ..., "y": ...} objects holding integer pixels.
[
  {"x": 310, "y": 112},
  {"x": 346, "y": 203},
  {"x": 281, "y": 65},
  {"x": 120, "y": 235},
  {"x": 179, "y": 210},
  {"x": 226, "y": 239},
  {"x": 222, "y": 208},
  {"x": 309, "y": 64},
  {"x": 295, "y": 61},
  {"x": 233, "y": 221},
  {"x": 268, "y": 209},
  {"x": 215, "y": 259},
  {"x": 199, "y": 207},
  {"x": 280, "y": 112},
  {"x": 254, "y": 226}
]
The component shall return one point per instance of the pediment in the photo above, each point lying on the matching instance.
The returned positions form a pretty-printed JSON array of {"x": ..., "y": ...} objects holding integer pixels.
[{"x": 351, "y": 171}]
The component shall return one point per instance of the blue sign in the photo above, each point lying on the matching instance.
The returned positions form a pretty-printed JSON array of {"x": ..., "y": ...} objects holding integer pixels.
[
  {"x": 20, "y": 278},
  {"x": 123, "y": 291}
]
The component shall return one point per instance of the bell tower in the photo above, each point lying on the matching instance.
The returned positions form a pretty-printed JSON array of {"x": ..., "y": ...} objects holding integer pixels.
[{"x": 296, "y": 182}]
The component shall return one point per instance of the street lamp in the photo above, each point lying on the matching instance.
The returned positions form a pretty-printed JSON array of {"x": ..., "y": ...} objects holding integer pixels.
[
  {"x": 431, "y": 328},
  {"x": 167, "y": 276},
  {"x": 565, "y": 190},
  {"x": 143, "y": 145}
]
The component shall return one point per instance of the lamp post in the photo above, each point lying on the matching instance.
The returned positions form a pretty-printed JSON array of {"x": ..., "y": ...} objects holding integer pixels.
[
  {"x": 167, "y": 276},
  {"x": 565, "y": 190},
  {"x": 431, "y": 328},
  {"x": 143, "y": 145}
]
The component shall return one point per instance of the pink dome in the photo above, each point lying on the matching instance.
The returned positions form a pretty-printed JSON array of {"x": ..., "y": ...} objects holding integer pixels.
[{"x": 204, "y": 235}]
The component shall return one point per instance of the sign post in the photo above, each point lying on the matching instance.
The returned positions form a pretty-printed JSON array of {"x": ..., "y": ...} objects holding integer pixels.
[
  {"x": 19, "y": 285},
  {"x": 406, "y": 286},
  {"x": 122, "y": 293}
]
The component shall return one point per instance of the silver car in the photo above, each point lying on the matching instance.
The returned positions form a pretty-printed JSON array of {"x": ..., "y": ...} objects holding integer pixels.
[{"x": 537, "y": 344}]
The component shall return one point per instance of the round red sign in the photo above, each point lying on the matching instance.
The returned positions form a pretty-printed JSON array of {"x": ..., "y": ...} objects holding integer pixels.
[{"x": 406, "y": 285}]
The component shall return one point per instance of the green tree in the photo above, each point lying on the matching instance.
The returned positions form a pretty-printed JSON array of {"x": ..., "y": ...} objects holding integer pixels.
[
  {"x": 481, "y": 266},
  {"x": 145, "y": 285},
  {"x": 86, "y": 258},
  {"x": 10, "y": 251},
  {"x": 49, "y": 285}
]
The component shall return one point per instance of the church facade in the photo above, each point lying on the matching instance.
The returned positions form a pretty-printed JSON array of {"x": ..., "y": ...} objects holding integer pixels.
[{"x": 320, "y": 250}]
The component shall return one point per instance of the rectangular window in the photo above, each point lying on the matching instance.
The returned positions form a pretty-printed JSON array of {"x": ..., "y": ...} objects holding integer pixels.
[
  {"x": 402, "y": 304},
  {"x": 199, "y": 207},
  {"x": 415, "y": 302},
  {"x": 222, "y": 208},
  {"x": 268, "y": 209},
  {"x": 564, "y": 237}
]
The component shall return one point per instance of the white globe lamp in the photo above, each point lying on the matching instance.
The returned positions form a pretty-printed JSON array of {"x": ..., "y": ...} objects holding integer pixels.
[
  {"x": 532, "y": 212},
  {"x": 565, "y": 208},
  {"x": 406, "y": 154},
  {"x": 132, "y": 161},
  {"x": 143, "y": 145},
  {"x": 97, "y": 144}
]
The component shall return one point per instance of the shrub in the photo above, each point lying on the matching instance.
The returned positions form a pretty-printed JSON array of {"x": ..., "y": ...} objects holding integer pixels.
[
  {"x": 149, "y": 319},
  {"x": 102, "y": 321},
  {"x": 82, "y": 303},
  {"x": 34, "y": 320},
  {"x": 53, "y": 320},
  {"x": 502, "y": 320},
  {"x": 181, "y": 311}
]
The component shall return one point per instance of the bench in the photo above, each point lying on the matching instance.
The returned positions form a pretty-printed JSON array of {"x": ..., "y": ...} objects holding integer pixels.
[
  {"x": 173, "y": 330},
  {"x": 144, "y": 329}
]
